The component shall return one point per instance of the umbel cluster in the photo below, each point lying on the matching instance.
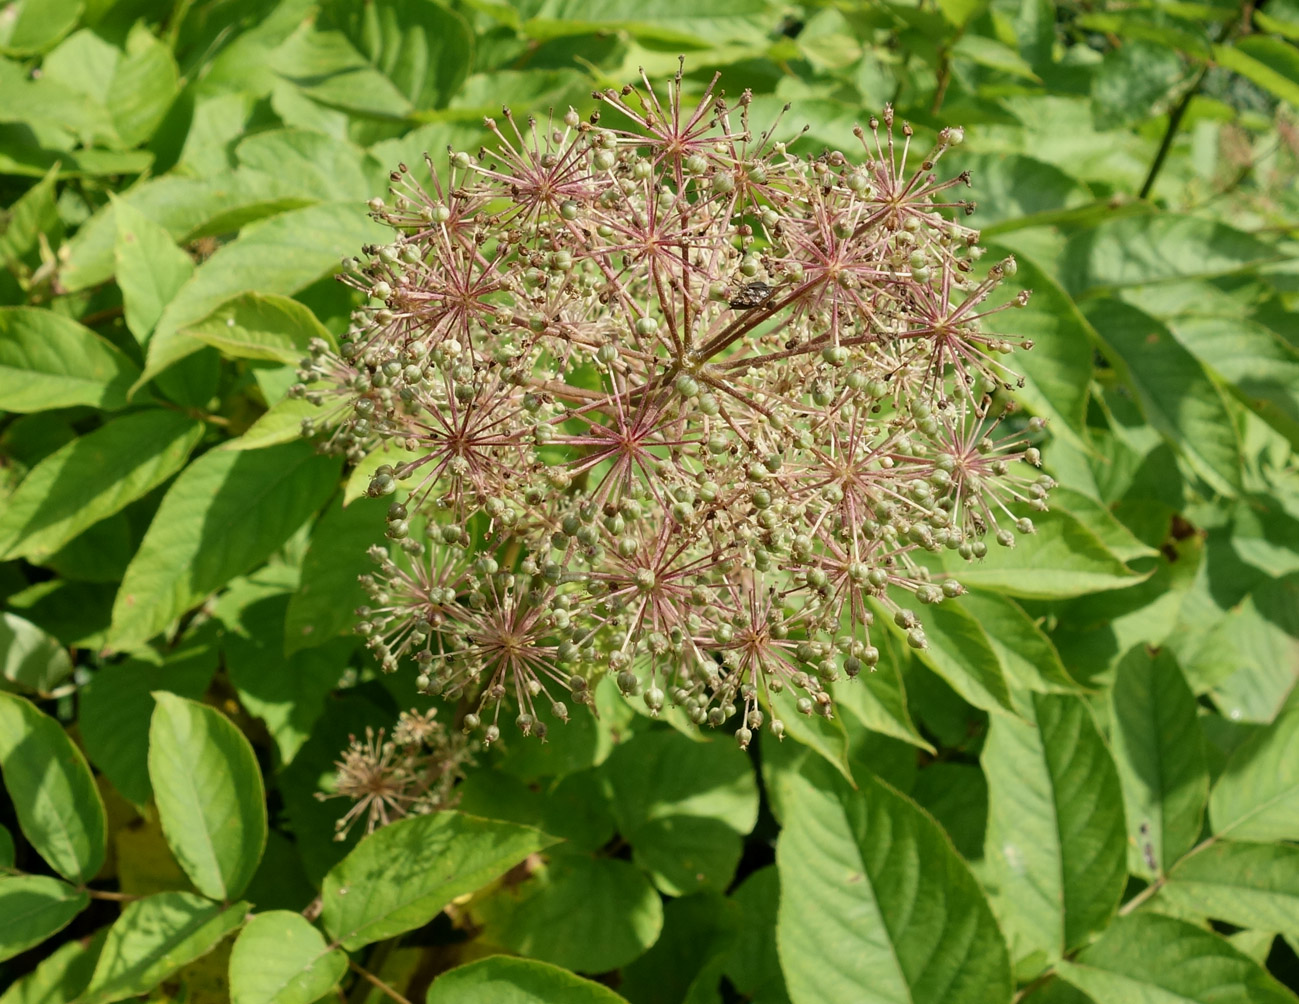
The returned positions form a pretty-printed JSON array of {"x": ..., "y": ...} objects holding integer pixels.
[{"x": 663, "y": 400}]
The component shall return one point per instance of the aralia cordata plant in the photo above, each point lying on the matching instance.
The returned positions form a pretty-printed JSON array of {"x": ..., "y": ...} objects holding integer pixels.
[{"x": 668, "y": 401}]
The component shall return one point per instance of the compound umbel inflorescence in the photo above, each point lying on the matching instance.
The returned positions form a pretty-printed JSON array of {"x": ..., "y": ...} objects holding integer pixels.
[{"x": 665, "y": 401}]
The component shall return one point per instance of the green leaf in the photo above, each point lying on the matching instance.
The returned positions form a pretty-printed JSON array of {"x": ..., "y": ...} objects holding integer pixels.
[
  {"x": 878, "y": 699},
  {"x": 29, "y": 657},
  {"x": 1256, "y": 797},
  {"x": 1176, "y": 396},
  {"x": 504, "y": 980},
  {"x": 281, "y": 255},
  {"x": 153, "y": 938},
  {"x": 402, "y": 875},
  {"x": 35, "y": 213},
  {"x": 34, "y": 907},
  {"x": 423, "y": 47},
  {"x": 54, "y": 795},
  {"x": 59, "y": 977},
  {"x": 1063, "y": 558},
  {"x": 1056, "y": 846},
  {"x": 684, "y": 807},
  {"x": 1149, "y": 959},
  {"x": 1133, "y": 250},
  {"x": 280, "y": 958},
  {"x": 753, "y": 963},
  {"x": 1059, "y": 366},
  {"x": 1028, "y": 658},
  {"x": 281, "y": 423},
  {"x": 579, "y": 912},
  {"x": 93, "y": 477},
  {"x": 689, "y": 959},
  {"x": 261, "y": 326},
  {"x": 34, "y": 26},
  {"x": 48, "y": 361},
  {"x": 118, "y": 701},
  {"x": 144, "y": 83},
  {"x": 875, "y": 905},
  {"x": 1248, "y": 885},
  {"x": 1272, "y": 63},
  {"x": 995, "y": 55},
  {"x": 324, "y": 605},
  {"x": 332, "y": 167},
  {"x": 959, "y": 651},
  {"x": 1160, "y": 753},
  {"x": 209, "y": 792},
  {"x": 1257, "y": 365},
  {"x": 150, "y": 267},
  {"x": 1135, "y": 81},
  {"x": 675, "y": 22},
  {"x": 225, "y": 513}
]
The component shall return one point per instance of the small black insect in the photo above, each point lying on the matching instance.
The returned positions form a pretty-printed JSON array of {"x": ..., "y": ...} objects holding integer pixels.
[{"x": 752, "y": 294}]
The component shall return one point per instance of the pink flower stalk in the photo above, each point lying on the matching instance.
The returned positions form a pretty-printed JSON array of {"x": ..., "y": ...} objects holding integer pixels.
[{"x": 668, "y": 402}]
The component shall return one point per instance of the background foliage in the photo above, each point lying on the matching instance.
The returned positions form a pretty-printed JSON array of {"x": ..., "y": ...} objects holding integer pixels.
[{"x": 1088, "y": 787}]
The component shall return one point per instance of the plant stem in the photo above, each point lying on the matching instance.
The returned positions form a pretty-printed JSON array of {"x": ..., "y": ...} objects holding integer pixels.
[{"x": 377, "y": 983}]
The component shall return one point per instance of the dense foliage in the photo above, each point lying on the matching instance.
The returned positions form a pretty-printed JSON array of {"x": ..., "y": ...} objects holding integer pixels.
[{"x": 653, "y": 412}]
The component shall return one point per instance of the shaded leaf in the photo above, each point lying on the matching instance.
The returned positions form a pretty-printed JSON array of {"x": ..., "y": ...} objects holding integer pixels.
[
  {"x": 504, "y": 980},
  {"x": 1149, "y": 959},
  {"x": 54, "y": 795},
  {"x": 1248, "y": 885},
  {"x": 261, "y": 326},
  {"x": 29, "y": 658},
  {"x": 1256, "y": 797},
  {"x": 33, "y": 908},
  {"x": 153, "y": 938},
  {"x": 48, "y": 361},
  {"x": 93, "y": 477},
  {"x": 1159, "y": 750},
  {"x": 280, "y": 958},
  {"x": 150, "y": 268},
  {"x": 401, "y": 876},
  {"x": 225, "y": 513}
]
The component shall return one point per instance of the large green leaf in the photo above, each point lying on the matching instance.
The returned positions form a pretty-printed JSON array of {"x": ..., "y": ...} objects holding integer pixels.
[
  {"x": 1028, "y": 658},
  {"x": 29, "y": 657},
  {"x": 1176, "y": 396},
  {"x": 1249, "y": 885},
  {"x": 1132, "y": 250},
  {"x": 677, "y": 22},
  {"x": 225, "y": 513},
  {"x": 587, "y": 913},
  {"x": 1272, "y": 63},
  {"x": 281, "y": 255},
  {"x": 53, "y": 793},
  {"x": 48, "y": 361},
  {"x": 1257, "y": 365},
  {"x": 1059, "y": 365},
  {"x": 144, "y": 83},
  {"x": 1063, "y": 558},
  {"x": 59, "y": 977},
  {"x": 504, "y": 980},
  {"x": 153, "y": 938},
  {"x": 684, "y": 807},
  {"x": 875, "y": 905},
  {"x": 1056, "y": 847},
  {"x": 93, "y": 477},
  {"x": 1257, "y": 795},
  {"x": 1149, "y": 959},
  {"x": 260, "y": 326},
  {"x": 422, "y": 46},
  {"x": 34, "y": 907},
  {"x": 209, "y": 792},
  {"x": 280, "y": 958},
  {"x": 401, "y": 876},
  {"x": 1160, "y": 753},
  {"x": 150, "y": 268}
]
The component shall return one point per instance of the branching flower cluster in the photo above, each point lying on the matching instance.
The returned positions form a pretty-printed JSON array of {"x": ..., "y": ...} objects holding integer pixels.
[
  {"x": 666, "y": 401},
  {"x": 412, "y": 774}
]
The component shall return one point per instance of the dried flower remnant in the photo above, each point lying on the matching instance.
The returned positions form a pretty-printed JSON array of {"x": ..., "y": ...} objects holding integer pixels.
[
  {"x": 671, "y": 403},
  {"x": 412, "y": 774}
]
